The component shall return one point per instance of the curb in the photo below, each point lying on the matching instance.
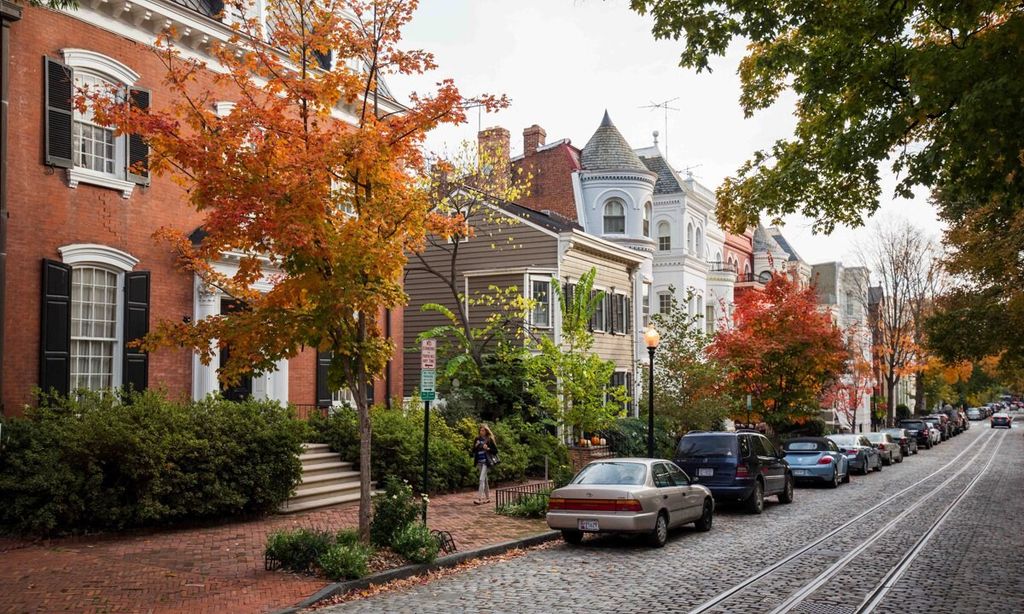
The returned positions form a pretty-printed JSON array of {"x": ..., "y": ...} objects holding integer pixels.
[{"x": 408, "y": 571}]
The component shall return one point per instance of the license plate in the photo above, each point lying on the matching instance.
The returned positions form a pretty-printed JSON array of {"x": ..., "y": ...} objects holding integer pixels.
[
  {"x": 705, "y": 472},
  {"x": 799, "y": 472},
  {"x": 587, "y": 525}
]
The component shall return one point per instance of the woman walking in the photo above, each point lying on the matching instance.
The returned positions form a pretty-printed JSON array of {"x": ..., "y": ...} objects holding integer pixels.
[{"x": 485, "y": 455}]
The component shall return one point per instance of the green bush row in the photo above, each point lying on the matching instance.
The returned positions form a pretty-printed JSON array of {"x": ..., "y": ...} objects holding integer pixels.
[
  {"x": 338, "y": 556},
  {"x": 530, "y": 506},
  {"x": 397, "y": 447},
  {"x": 123, "y": 460}
]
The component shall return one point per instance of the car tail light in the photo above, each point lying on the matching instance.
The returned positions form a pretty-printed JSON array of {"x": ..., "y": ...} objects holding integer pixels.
[
  {"x": 742, "y": 471},
  {"x": 825, "y": 460},
  {"x": 595, "y": 505},
  {"x": 903, "y": 440}
]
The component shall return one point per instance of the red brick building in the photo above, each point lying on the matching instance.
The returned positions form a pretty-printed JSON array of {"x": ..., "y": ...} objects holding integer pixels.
[{"x": 83, "y": 274}]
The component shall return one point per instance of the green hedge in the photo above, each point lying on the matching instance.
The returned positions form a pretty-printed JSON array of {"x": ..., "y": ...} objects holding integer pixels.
[
  {"x": 397, "y": 447},
  {"x": 628, "y": 437},
  {"x": 123, "y": 460}
]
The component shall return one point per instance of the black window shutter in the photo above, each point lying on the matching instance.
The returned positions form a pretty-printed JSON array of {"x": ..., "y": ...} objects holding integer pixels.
[
  {"x": 613, "y": 318},
  {"x": 629, "y": 315},
  {"x": 135, "y": 369},
  {"x": 593, "y": 317},
  {"x": 59, "y": 93},
  {"x": 323, "y": 389},
  {"x": 55, "y": 329},
  {"x": 138, "y": 150}
]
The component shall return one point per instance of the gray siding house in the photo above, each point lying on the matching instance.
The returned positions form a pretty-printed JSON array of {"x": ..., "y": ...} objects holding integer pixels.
[{"x": 516, "y": 247}]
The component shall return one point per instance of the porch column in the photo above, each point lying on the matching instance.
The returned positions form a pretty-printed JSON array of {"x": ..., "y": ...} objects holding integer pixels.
[{"x": 204, "y": 377}]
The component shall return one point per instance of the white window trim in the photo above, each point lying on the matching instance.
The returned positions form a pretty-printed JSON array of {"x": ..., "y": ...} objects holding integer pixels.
[
  {"x": 116, "y": 261},
  {"x": 97, "y": 62},
  {"x": 551, "y": 315},
  {"x": 604, "y": 312},
  {"x": 93, "y": 253},
  {"x": 107, "y": 67}
]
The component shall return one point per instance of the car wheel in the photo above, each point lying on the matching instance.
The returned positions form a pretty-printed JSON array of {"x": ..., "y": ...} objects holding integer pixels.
[
  {"x": 846, "y": 477},
  {"x": 865, "y": 468},
  {"x": 572, "y": 537},
  {"x": 880, "y": 465},
  {"x": 834, "y": 482},
  {"x": 660, "y": 534},
  {"x": 786, "y": 496},
  {"x": 886, "y": 461},
  {"x": 901, "y": 459},
  {"x": 707, "y": 516},
  {"x": 755, "y": 502}
]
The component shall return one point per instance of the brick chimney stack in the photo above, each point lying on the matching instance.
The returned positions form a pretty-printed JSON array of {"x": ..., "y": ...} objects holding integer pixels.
[
  {"x": 493, "y": 146},
  {"x": 533, "y": 139}
]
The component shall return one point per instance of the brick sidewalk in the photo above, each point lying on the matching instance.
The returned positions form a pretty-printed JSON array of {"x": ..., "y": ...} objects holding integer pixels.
[{"x": 216, "y": 570}]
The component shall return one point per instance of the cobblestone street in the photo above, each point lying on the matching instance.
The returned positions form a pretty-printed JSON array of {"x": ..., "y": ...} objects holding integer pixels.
[{"x": 969, "y": 564}]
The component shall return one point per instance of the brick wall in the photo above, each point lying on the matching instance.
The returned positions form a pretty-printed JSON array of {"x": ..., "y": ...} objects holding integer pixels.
[{"x": 551, "y": 170}]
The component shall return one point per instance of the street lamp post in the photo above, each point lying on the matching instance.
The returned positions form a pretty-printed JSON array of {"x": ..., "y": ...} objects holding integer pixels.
[{"x": 651, "y": 338}]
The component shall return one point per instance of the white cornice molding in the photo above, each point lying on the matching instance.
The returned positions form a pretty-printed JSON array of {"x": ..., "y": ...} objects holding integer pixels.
[
  {"x": 94, "y": 253},
  {"x": 90, "y": 60}
]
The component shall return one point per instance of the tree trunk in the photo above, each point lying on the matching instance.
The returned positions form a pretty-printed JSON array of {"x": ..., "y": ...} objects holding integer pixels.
[
  {"x": 364, "y": 468},
  {"x": 890, "y": 400},
  {"x": 920, "y": 402}
]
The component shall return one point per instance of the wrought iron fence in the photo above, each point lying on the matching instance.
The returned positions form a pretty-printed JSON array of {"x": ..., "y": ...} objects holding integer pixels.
[
  {"x": 721, "y": 267},
  {"x": 514, "y": 494}
]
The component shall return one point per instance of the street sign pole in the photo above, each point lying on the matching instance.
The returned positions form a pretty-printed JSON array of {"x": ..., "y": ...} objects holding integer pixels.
[{"x": 428, "y": 378}]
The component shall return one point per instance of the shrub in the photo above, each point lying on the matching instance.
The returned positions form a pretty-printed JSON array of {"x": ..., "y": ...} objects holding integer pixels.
[
  {"x": 344, "y": 561},
  {"x": 902, "y": 412},
  {"x": 347, "y": 537},
  {"x": 397, "y": 446},
  {"x": 393, "y": 510},
  {"x": 298, "y": 549},
  {"x": 628, "y": 437},
  {"x": 530, "y": 506},
  {"x": 122, "y": 460},
  {"x": 415, "y": 543}
]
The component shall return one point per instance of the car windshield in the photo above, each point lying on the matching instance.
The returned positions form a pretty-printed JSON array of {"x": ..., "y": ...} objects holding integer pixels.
[
  {"x": 913, "y": 425},
  {"x": 875, "y": 437},
  {"x": 606, "y": 473},
  {"x": 894, "y": 432},
  {"x": 846, "y": 440},
  {"x": 713, "y": 445},
  {"x": 804, "y": 446}
]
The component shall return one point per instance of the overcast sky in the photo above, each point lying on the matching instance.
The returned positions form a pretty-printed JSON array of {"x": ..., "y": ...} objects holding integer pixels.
[{"x": 563, "y": 62}]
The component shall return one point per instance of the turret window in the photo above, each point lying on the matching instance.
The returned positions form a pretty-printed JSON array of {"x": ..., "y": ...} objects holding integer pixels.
[
  {"x": 614, "y": 217},
  {"x": 647, "y": 220}
]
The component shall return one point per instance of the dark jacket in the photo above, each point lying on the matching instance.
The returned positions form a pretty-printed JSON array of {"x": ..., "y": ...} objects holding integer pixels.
[{"x": 492, "y": 448}]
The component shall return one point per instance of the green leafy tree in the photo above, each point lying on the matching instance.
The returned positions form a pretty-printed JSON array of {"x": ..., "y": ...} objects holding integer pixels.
[
  {"x": 569, "y": 381},
  {"x": 690, "y": 390}
]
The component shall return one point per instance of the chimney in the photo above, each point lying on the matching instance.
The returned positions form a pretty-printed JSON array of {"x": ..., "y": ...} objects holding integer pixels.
[
  {"x": 533, "y": 139},
  {"x": 493, "y": 151}
]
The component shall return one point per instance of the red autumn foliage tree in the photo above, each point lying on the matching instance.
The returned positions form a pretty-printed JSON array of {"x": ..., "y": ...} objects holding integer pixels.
[
  {"x": 311, "y": 181},
  {"x": 783, "y": 351}
]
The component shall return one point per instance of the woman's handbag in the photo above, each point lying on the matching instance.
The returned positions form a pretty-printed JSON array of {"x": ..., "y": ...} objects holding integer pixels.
[{"x": 492, "y": 459}]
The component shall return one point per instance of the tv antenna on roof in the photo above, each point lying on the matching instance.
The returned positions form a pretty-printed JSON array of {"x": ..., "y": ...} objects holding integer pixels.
[{"x": 665, "y": 106}]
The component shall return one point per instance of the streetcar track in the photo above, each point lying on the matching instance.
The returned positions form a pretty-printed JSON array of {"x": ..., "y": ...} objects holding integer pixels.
[
  {"x": 875, "y": 597},
  {"x": 730, "y": 592},
  {"x": 812, "y": 586}
]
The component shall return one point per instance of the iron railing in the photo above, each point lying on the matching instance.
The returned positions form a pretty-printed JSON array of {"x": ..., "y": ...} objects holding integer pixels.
[
  {"x": 209, "y": 8},
  {"x": 514, "y": 494},
  {"x": 717, "y": 266},
  {"x": 303, "y": 411}
]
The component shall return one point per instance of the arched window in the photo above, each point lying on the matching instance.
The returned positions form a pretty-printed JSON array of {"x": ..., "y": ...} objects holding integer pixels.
[
  {"x": 97, "y": 289},
  {"x": 614, "y": 217},
  {"x": 700, "y": 242},
  {"x": 689, "y": 238},
  {"x": 746, "y": 269},
  {"x": 718, "y": 257},
  {"x": 647, "y": 220},
  {"x": 664, "y": 236}
]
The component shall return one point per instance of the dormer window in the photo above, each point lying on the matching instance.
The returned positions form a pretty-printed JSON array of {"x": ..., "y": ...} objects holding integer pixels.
[{"x": 614, "y": 217}]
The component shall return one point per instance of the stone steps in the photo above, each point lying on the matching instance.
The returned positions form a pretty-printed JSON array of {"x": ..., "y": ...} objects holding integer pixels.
[{"x": 326, "y": 480}]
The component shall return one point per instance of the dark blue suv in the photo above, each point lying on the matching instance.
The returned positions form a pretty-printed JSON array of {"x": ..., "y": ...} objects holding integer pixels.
[{"x": 741, "y": 466}]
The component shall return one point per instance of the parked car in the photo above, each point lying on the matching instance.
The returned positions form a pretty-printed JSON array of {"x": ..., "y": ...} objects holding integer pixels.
[
  {"x": 817, "y": 459},
  {"x": 919, "y": 431},
  {"x": 942, "y": 423},
  {"x": 741, "y": 466},
  {"x": 936, "y": 434},
  {"x": 1001, "y": 420},
  {"x": 629, "y": 495},
  {"x": 860, "y": 454},
  {"x": 906, "y": 441},
  {"x": 887, "y": 448},
  {"x": 975, "y": 413}
]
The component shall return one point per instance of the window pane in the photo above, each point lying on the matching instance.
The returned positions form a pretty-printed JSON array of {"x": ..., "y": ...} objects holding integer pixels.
[
  {"x": 542, "y": 307},
  {"x": 93, "y": 327}
]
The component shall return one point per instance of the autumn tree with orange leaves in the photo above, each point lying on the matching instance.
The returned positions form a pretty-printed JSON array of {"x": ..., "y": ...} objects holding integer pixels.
[
  {"x": 782, "y": 350},
  {"x": 311, "y": 181}
]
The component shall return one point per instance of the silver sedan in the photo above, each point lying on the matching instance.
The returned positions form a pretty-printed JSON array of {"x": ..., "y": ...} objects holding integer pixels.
[{"x": 629, "y": 495}]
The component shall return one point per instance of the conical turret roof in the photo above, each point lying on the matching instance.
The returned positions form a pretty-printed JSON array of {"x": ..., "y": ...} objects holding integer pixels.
[{"x": 607, "y": 150}]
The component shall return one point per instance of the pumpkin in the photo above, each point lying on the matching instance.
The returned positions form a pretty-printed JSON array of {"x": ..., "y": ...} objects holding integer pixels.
[
  {"x": 582, "y": 443},
  {"x": 604, "y": 441},
  {"x": 595, "y": 440}
]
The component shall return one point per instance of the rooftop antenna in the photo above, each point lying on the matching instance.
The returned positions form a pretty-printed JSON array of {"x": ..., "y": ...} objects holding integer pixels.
[
  {"x": 689, "y": 170},
  {"x": 665, "y": 106}
]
